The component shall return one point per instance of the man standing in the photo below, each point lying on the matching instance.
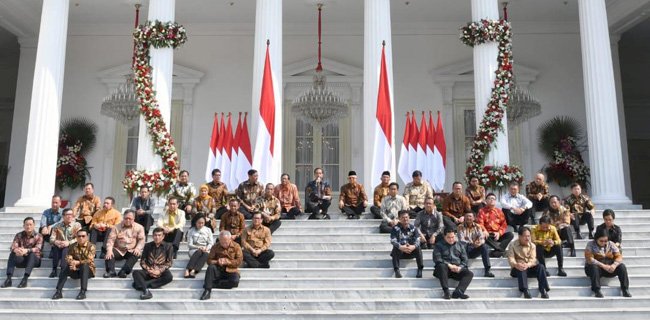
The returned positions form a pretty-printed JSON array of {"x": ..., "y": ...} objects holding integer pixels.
[
  {"x": 157, "y": 258},
  {"x": 86, "y": 206},
  {"x": 381, "y": 190},
  {"x": 287, "y": 193},
  {"x": 494, "y": 222},
  {"x": 25, "y": 252},
  {"x": 455, "y": 205},
  {"x": 390, "y": 206},
  {"x": 450, "y": 258},
  {"x": 50, "y": 217},
  {"x": 248, "y": 192},
  {"x": 219, "y": 192},
  {"x": 125, "y": 242},
  {"x": 537, "y": 193},
  {"x": 143, "y": 206},
  {"x": 80, "y": 264},
  {"x": 548, "y": 243},
  {"x": 270, "y": 208},
  {"x": 473, "y": 235},
  {"x": 522, "y": 257},
  {"x": 353, "y": 199},
  {"x": 64, "y": 234},
  {"x": 256, "y": 241},
  {"x": 405, "y": 239},
  {"x": 318, "y": 196},
  {"x": 102, "y": 222},
  {"x": 172, "y": 222},
  {"x": 233, "y": 221},
  {"x": 223, "y": 263},
  {"x": 430, "y": 222},
  {"x": 416, "y": 192},
  {"x": 582, "y": 210},
  {"x": 516, "y": 207}
]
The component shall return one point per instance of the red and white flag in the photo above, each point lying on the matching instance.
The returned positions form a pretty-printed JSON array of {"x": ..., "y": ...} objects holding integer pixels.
[
  {"x": 383, "y": 154},
  {"x": 244, "y": 158},
  {"x": 413, "y": 144},
  {"x": 265, "y": 159},
  {"x": 431, "y": 136},
  {"x": 421, "y": 150},
  {"x": 227, "y": 154},
  {"x": 440, "y": 157},
  {"x": 234, "y": 180},
  {"x": 220, "y": 142},
  {"x": 403, "y": 169},
  {"x": 212, "y": 150}
]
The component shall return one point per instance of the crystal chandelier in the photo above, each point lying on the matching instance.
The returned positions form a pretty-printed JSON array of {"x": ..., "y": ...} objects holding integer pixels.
[
  {"x": 319, "y": 105},
  {"x": 522, "y": 105},
  {"x": 122, "y": 104}
]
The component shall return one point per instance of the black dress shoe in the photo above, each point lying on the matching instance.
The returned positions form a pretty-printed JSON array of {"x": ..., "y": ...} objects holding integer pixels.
[
  {"x": 527, "y": 294},
  {"x": 598, "y": 294},
  {"x": 543, "y": 294},
  {"x": 572, "y": 253},
  {"x": 488, "y": 274},
  {"x": 81, "y": 295},
  {"x": 419, "y": 274},
  {"x": 205, "y": 295},
  {"x": 561, "y": 272},
  {"x": 398, "y": 274},
  {"x": 121, "y": 274},
  {"x": 23, "y": 283},
  {"x": 53, "y": 274},
  {"x": 146, "y": 295},
  {"x": 591, "y": 235},
  {"x": 445, "y": 295},
  {"x": 109, "y": 275},
  {"x": 626, "y": 293},
  {"x": 578, "y": 236},
  {"x": 547, "y": 274},
  {"x": 6, "y": 284},
  {"x": 57, "y": 295},
  {"x": 326, "y": 217},
  {"x": 459, "y": 295}
]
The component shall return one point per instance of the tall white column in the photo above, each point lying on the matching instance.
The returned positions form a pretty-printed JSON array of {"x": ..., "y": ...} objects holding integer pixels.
[
  {"x": 162, "y": 62},
  {"x": 605, "y": 156},
  {"x": 485, "y": 64},
  {"x": 45, "y": 111},
  {"x": 268, "y": 26},
  {"x": 376, "y": 28}
]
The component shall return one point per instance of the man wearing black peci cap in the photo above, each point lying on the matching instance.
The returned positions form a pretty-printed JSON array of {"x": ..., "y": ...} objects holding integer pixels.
[{"x": 353, "y": 199}]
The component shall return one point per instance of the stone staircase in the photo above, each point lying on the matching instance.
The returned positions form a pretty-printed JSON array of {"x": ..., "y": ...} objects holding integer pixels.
[{"x": 338, "y": 269}]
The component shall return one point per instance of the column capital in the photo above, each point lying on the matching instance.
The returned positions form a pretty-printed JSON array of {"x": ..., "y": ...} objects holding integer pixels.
[{"x": 28, "y": 42}]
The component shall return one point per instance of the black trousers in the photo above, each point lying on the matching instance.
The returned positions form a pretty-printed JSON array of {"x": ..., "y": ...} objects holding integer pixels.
[
  {"x": 274, "y": 225},
  {"x": 261, "y": 261},
  {"x": 220, "y": 212},
  {"x": 318, "y": 208},
  {"x": 482, "y": 250},
  {"x": 174, "y": 237},
  {"x": 375, "y": 210},
  {"x": 502, "y": 243},
  {"x": 538, "y": 271},
  {"x": 29, "y": 262},
  {"x": 556, "y": 250},
  {"x": 464, "y": 277},
  {"x": 353, "y": 210},
  {"x": 96, "y": 235},
  {"x": 197, "y": 261},
  {"x": 142, "y": 280},
  {"x": 82, "y": 272},
  {"x": 413, "y": 212},
  {"x": 58, "y": 257},
  {"x": 476, "y": 208},
  {"x": 584, "y": 218},
  {"x": 247, "y": 214},
  {"x": 518, "y": 220},
  {"x": 46, "y": 238},
  {"x": 567, "y": 235},
  {"x": 217, "y": 277},
  {"x": 540, "y": 205},
  {"x": 449, "y": 223},
  {"x": 291, "y": 213},
  {"x": 416, "y": 254},
  {"x": 130, "y": 258},
  {"x": 594, "y": 272},
  {"x": 384, "y": 227},
  {"x": 146, "y": 221},
  {"x": 427, "y": 237}
]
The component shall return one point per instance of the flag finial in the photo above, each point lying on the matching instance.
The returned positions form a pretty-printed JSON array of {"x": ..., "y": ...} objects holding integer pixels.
[
  {"x": 268, "y": 42},
  {"x": 383, "y": 43}
]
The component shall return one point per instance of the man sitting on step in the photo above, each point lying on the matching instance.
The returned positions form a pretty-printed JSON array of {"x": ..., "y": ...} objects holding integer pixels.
[
  {"x": 547, "y": 244},
  {"x": 522, "y": 257},
  {"x": 143, "y": 206},
  {"x": 248, "y": 192},
  {"x": 494, "y": 222},
  {"x": 405, "y": 239},
  {"x": 604, "y": 259},
  {"x": 537, "y": 193},
  {"x": 582, "y": 210},
  {"x": 381, "y": 190},
  {"x": 25, "y": 252},
  {"x": 431, "y": 224},
  {"x": 223, "y": 265},
  {"x": 172, "y": 221},
  {"x": 516, "y": 207},
  {"x": 256, "y": 241},
  {"x": 49, "y": 218},
  {"x": 318, "y": 196},
  {"x": 233, "y": 221},
  {"x": 287, "y": 194},
  {"x": 390, "y": 206},
  {"x": 450, "y": 259},
  {"x": 473, "y": 235},
  {"x": 455, "y": 205},
  {"x": 157, "y": 258},
  {"x": 270, "y": 207},
  {"x": 102, "y": 222},
  {"x": 125, "y": 242},
  {"x": 353, "y": 199},
  {"x": 613, "y": 232},
  {"x": 416, "y": 191},
  {"x": 64, "y": 234},
  {"x": 86, "y": 206},
  {"x": 80, "y": 264}
]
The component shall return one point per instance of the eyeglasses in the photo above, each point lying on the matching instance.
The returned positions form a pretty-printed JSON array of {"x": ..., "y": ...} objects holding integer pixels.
[{"x": 81, "y": 236}]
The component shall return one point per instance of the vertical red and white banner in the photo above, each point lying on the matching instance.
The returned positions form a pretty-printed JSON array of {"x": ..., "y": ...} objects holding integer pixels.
[
  {"x": 244, "y": 158},
  {"x": 440, "y": 157},
  {"x": 227, "y": 154},
  {"x": 413, "y": 144},
  {"x": 266, "y": 159},
  {"x": 421, "y": 148},
  {"x": 383, "y": 153},
  {"x": 403, "y": 169},
  {"x": 234, "y": 180},
  {"x": 431, "y": 137},
  {"x": 212, "y": 149},
  {"x": 220, "y": 142}
]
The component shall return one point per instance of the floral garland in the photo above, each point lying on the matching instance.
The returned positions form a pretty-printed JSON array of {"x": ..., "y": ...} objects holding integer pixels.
[
  {"x": 567, "y": 165},
  {"x": 71, "y": 165},
  {"x": 492, "y": 177},
  {"x": 158, "y": 35}
]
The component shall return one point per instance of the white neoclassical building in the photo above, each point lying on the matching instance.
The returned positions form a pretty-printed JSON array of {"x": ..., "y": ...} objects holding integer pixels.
[{"x": 587, "y": 59}]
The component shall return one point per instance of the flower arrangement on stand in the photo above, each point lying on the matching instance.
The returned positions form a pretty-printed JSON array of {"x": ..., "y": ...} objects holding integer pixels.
[
  {"x": 77, "y": 138},
  {"x": 158, "y": 35},
  {"x": 559, "y": 142},
  {"x": 492, "y": 177}
]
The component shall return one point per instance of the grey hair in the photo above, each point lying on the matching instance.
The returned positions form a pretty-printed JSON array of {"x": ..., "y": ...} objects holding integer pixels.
[{"x": 224, "y": 233}]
